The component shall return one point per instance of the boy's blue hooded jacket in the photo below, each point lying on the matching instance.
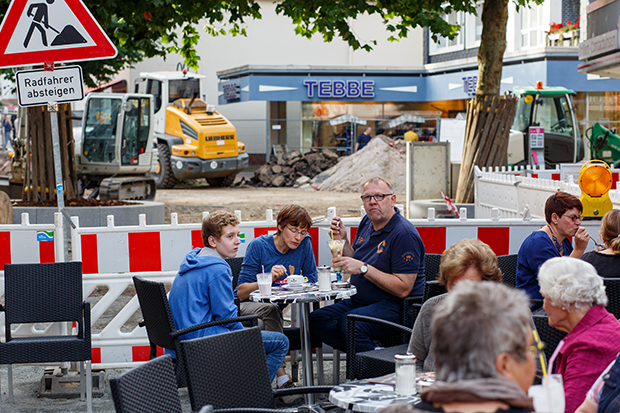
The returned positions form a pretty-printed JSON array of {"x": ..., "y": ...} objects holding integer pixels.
[{"x": 202, "y": 292}]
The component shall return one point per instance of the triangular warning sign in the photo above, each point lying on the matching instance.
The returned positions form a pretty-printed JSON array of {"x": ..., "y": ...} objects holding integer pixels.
[{"x": 37, "y": 31}]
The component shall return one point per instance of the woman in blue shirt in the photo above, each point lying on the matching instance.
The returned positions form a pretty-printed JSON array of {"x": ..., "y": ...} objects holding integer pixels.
[{"x": 563, "y": 216}]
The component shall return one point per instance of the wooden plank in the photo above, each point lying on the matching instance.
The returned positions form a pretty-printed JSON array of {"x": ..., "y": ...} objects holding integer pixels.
[{"x": 64, "y": 153}]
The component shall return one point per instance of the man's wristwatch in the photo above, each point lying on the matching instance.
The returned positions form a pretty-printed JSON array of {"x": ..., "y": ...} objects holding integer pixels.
[{"x": 363, "y": 269}]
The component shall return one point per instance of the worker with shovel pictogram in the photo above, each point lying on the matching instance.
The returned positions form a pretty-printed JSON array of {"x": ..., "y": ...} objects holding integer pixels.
[{"x": 39, "y": 14}]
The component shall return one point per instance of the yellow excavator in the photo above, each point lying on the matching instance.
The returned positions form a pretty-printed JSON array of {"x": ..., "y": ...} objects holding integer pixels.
[{"x": 193, "y": 139}]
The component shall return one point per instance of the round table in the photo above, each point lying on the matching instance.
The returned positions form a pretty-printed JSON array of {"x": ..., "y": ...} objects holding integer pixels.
[
  {"x": 367, "y": 397},
  {"x": 302, "y": 297}
]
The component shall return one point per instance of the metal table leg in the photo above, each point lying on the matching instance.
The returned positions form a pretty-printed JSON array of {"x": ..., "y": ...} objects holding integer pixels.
[{"x": 306, "y": 348}]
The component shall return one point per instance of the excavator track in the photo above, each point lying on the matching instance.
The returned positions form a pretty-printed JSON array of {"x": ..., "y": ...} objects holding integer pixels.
[{"x": 128, "y": 187}]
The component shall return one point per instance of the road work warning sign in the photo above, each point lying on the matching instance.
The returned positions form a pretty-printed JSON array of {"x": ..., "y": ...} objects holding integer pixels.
[
  {"x": 37, "y": 31},
  {"x": 37, "y": 87}
]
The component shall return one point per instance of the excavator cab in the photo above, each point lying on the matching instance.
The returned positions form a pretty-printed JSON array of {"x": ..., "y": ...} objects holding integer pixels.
[
  {"x": 116, "y": 150},
  {"x": 117, "y": 133}
]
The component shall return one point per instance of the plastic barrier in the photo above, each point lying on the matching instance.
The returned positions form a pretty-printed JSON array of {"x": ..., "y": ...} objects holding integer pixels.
[{"x": 516, "y": 196}]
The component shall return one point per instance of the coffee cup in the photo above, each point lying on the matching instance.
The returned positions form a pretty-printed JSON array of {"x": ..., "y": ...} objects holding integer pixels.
[{"x": 295, "y": 280}]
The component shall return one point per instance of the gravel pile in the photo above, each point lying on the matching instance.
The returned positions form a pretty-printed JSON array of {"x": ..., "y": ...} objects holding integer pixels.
[{"x": 375, "y": 159}]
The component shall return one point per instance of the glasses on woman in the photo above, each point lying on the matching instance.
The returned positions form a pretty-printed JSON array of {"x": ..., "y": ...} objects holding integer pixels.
[
  {"x": 297, "y": 232},
  {"x": 577, "y": 218}
]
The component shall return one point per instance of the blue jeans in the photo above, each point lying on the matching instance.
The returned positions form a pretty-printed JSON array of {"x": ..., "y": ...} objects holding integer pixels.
[
  {"x": 276, "y": 347},
  {"x": 329, "y": 324}
]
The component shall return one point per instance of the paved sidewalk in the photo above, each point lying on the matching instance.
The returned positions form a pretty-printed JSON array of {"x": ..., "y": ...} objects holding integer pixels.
[{"x": 26, "y": 381}]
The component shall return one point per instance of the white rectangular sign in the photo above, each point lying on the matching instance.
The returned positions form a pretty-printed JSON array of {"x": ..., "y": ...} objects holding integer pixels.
[{"x": 38, "y": 87}]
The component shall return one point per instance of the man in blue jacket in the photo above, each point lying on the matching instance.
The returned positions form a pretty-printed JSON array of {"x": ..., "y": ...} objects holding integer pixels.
[{"x": 202, "y": 290}]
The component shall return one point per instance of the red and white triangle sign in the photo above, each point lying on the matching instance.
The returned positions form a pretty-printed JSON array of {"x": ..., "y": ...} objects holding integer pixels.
[{"x": 38, "y": 31}]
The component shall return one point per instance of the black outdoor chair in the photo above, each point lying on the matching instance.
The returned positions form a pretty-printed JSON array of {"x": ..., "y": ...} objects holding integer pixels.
[
  {"x": 151, "y": 387},
  {"x": 374, "y": 363},
  {"x": 46, "y": 293},
  {"x": 235, "y": 266},
  {"x": 431, "y": 266},
  {"x": 612, "y": 289},
  {"x": 508, "y": 266},
  {"x": 433, "y": 289},
  {"x": 229, "y": 370},
  {"x": 160, "y": 325},
  {"x": 548, "y": 335}
]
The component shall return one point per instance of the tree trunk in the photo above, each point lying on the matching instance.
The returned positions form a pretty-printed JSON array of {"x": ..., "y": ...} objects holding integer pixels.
[
  {"x": 492, "y": 47},
  {"x": 489, "y": 117}
]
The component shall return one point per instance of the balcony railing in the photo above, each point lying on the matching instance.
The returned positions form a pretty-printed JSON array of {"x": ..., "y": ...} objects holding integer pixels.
[{"x": 568, "y": 38}]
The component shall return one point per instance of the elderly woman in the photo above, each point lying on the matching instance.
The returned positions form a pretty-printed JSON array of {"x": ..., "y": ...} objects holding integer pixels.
[
  {"x": 468, "y": 259},
  {"x": 607, "y": 261},
  {"x": 563, "y": 216},
  {"x": 483, "y": 351},
  {"x": 574, "y": 299}
]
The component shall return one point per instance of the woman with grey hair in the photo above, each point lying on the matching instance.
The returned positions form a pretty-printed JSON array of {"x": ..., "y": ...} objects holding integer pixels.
[
  {"x": 483, "y": 351},
  {"x": 574, "y": 299}
]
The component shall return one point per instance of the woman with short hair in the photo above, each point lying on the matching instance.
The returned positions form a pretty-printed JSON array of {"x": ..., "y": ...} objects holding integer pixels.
[
  {"x": 483, "y": 351},
  {"x": 607, "y": 261},
  {"x": 468, "y": 259},
  {"x": 563, "y": 216},
  {"x": 574, "y": 299}
]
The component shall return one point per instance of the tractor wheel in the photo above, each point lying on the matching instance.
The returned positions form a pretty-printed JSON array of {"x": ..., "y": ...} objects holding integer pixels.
[{"x": 164, "y": 177}]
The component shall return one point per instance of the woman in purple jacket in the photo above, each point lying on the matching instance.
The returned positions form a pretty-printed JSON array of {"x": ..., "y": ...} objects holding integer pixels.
[{"x": 574, "y": 299}]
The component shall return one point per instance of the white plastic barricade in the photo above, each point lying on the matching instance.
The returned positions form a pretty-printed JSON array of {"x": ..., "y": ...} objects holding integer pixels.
[
  {"x": 112, "y": 255},
  {"x": 517, "y": 196}
]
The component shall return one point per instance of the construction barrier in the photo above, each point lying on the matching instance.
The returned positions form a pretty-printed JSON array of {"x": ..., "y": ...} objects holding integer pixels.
[
  {"x": 112, "y": 255},
  {"x": 517, "y": 195}
]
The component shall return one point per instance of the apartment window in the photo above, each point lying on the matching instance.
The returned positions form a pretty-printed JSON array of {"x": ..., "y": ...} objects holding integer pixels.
[
  {"x": 532, "y": 26},
  {"x": 445, "y": 45}
]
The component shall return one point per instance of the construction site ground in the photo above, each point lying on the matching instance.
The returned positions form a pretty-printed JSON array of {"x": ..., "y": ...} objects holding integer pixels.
[{"x": 190, "y": 199}]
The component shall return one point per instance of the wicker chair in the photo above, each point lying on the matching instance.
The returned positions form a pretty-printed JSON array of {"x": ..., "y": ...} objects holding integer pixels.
[
  {"x": 46, "y": 293},
  {"x": 548, "y": 335},
  {"x": 379, "y": 362},
  {"x": 508, "y": 265},
  {"x": 431, "y": 266},
  {"x": 151, "y": 387},
  {"x": 612, "y": 289},
  {"x": 432, "y": 289},
  {"x": 160, "y": 325},
  {"x": 229, "y": 371}
]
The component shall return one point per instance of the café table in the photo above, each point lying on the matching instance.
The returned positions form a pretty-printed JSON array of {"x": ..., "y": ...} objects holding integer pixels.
[
  {"x": 302, "y": 298},
  {"x": 365, "y": 396}
]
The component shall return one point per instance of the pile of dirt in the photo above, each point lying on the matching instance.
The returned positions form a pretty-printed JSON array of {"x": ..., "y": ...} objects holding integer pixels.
[
  {"x": 294, "y": 168},
  {"x": 376, "y": 159},
  {"x": 79, "y": 202}
]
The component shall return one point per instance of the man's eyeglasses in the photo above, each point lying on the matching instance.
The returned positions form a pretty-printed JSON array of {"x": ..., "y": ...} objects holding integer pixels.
[
  {"x": 575, "y": 219},
  {"x": 377, "y": 197},
  {"x": 297, "y": 232}
]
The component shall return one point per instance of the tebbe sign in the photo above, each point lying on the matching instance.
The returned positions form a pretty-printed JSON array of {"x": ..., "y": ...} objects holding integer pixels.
[
  {"x": 337, "y": 89},
  {"x": 38, "y": 31},
  {"x": 37, "y": 87}
]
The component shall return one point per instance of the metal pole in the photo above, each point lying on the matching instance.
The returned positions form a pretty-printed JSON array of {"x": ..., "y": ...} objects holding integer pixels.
[
  {"x": 407, "y": 176},
  {"x": 52, "y": 107}
]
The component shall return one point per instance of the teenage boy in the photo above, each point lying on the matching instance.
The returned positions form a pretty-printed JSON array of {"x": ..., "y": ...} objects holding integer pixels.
[{"x": 202, "y": 290}]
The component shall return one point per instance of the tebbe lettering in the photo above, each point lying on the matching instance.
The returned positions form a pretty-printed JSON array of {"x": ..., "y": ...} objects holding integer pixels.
[
  {"x": 219, "y": 138},
  {"x": 339, "y": 89}
]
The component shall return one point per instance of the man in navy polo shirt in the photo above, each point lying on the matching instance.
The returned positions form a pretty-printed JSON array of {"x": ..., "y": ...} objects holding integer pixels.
[{"x": 386, "y": 261}]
